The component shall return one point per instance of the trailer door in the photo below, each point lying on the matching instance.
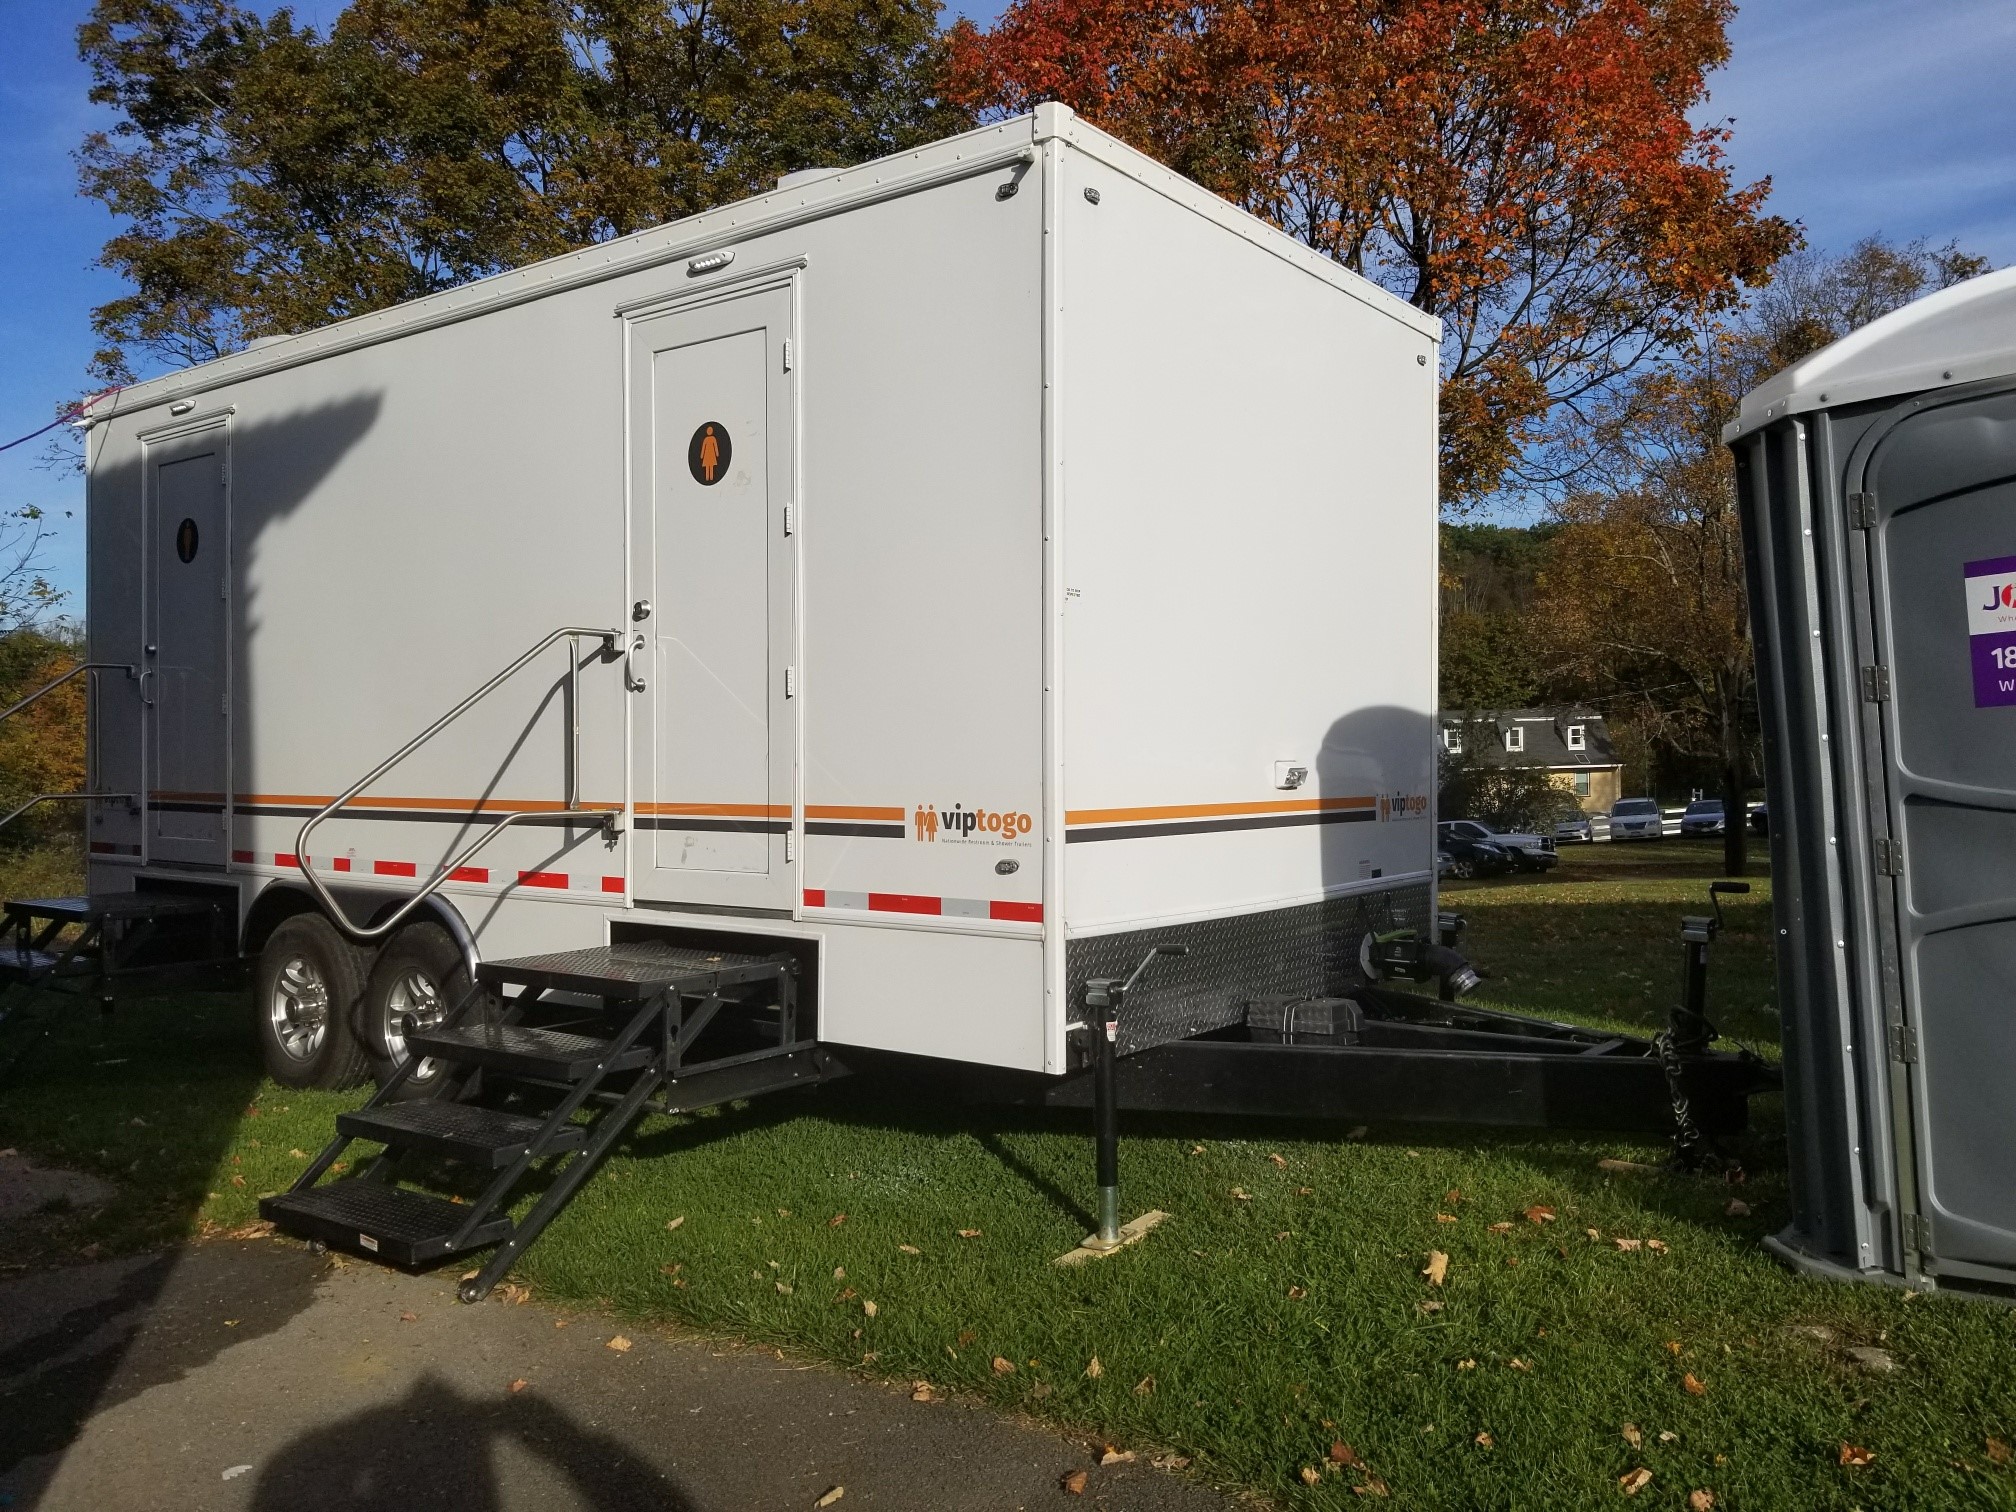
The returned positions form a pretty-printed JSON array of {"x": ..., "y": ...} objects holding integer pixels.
[
  {"x": 1941, "y": 675},
  {"x": 185, "y": 684},
  {"x": 712, "y": 430}
]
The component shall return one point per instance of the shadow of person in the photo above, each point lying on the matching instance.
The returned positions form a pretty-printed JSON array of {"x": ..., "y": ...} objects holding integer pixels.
[{"x": 435, "y": 1448}]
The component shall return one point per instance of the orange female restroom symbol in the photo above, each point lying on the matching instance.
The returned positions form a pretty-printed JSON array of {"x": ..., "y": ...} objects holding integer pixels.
[{"x": 708, "y": 453}]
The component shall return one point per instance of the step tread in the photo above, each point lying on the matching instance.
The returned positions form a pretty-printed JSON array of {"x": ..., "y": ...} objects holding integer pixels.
[
  {"x": 405, "y": 1227},
  {"x": 631, "y": 971},
  {"x": 32, "y": 965},
  {"x": 529, "y": 1051},
  {"x": 482, "y": 1136},
  {"x": 126, "y": 905}
]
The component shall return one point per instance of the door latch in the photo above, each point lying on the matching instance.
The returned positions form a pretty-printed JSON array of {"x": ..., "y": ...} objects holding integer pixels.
[{"x": 631, "y": 679}]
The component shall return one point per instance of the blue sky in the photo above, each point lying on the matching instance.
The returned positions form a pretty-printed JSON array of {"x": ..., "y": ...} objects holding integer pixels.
[{"x": 1869, "y": 116}]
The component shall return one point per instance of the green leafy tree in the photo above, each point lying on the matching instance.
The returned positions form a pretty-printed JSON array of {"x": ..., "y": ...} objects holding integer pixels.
[{"x": 270, "y": 177}]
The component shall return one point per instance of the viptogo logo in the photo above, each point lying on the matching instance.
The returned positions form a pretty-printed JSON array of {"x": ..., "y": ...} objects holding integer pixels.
[
  {"x": 1402, "y": 805},
  {"x": 977, "y": 826}
]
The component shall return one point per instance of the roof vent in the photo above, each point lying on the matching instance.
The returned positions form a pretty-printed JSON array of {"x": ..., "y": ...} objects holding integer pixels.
[{"x": 807, "y": 176}]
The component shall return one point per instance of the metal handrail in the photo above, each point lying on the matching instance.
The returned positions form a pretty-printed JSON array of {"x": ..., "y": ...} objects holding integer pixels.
[
  {"x": 80, "y": 668},
  {"x": 131, "y": 798},
  {"x": 448, "y": 869}
]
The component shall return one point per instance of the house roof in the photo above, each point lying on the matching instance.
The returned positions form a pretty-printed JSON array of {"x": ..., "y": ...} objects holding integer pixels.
[{"x": 1546, "y": 737}]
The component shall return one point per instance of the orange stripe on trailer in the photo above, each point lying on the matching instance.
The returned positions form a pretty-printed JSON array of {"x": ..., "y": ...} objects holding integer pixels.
[
  {"x": 442, "y": 805},
  {"x": 1218, "y": 810},
  {"x": 717, "y": 810},
  {"x": 854, "y": 811}
]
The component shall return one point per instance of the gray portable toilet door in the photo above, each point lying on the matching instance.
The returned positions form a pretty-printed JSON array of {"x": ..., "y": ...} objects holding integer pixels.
[
  {"x": 185, "y": 679},
  {"x": 712, "y": 428},
  {"x": 1942, "y": 563}
]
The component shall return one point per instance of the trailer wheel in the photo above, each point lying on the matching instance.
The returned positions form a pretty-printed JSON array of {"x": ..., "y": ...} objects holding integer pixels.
[
  {"x": 305, "y": 991},
  {"x": 421, "y": 973}
]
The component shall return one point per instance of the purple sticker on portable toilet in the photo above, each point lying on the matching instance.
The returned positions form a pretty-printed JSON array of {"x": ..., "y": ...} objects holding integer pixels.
[{"x": 1991, "y": 630}]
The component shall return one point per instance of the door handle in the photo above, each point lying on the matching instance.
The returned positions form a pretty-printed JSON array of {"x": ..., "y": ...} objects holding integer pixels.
[
  {"x": 146, "y": 698},
  {"x": 630, "y": 651}
]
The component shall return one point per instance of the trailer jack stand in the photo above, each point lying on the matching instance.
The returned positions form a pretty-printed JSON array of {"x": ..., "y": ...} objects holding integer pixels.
[
  {"x": 1104, "y": 996},
  {"x": 1690, "y": 1032}
]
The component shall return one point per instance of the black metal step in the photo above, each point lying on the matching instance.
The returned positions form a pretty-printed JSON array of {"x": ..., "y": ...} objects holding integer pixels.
[
  {"x": 126, "y": 905},
  {"x": 35, "y": 965},
  {"x": 630, "y": 972},
  {"x": 365, "y": 1217},
  {"x": 548, "y": 1054},
  {"x": 461, "y": 1131}
]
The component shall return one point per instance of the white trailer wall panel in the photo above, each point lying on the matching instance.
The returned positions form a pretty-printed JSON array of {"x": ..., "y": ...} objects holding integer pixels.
[{"x": 1146, "y": 452}]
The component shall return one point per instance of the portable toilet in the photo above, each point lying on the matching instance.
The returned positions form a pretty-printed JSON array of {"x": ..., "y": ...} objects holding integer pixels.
[{"x": 1877, "y": 482}]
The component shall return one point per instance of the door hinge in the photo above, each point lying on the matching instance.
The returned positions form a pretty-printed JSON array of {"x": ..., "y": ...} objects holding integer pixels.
[
  {"x": 1862, "y": 511},
  {"x": 787, "y": 354},
  {"x": 790, "y": 846},
  {"x": 1889, "y": 858},
  {"x": 1903, "y": 1043},
  {"x": 790, "y": 682},
  {"x": 787, "y": 519},
  {"x": 1917, "y": 1232},
  {"x": 1876, "y": 683}
]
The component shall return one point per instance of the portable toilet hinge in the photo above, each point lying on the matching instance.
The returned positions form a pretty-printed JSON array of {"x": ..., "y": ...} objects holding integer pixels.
[
  {"x": 790, "y": 850},
  {"x": 1876, "y": 683},
  {"x": 1862, "y": 511},
  {"x": 1889, "y": 857},
  {"x": 1903, "y": 1043},
  {"x": 790, "y": 682},
  {"x": 787, "y": 354},
  {"x": 1917, "y": 1233}
]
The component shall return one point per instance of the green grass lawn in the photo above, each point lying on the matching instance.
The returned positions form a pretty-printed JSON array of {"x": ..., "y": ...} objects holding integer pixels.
[{"x": 1280, "y": 1310}]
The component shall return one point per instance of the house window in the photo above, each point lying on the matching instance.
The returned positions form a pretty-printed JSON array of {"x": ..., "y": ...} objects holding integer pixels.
[
  {"x": 1581, "y": 784},
  {"x": 1452, "y": 741},
  {"x": 1515, "y": 738},
  {"x": 1576, "y": 740}
]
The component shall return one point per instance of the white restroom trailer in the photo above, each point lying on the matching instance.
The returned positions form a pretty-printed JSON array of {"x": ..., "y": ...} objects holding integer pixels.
[{"x": 1001, "y": 557}]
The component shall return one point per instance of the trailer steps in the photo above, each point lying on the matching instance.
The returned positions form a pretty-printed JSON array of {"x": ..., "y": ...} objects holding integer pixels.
[{"x": 547, "y": 1061}]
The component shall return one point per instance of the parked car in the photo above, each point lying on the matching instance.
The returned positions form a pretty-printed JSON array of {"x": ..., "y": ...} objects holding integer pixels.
[
  {"x": 1704, "y": 816},
  {"x": 1460, "y": 856},
  {"x": 1528, "y": 852},
  {"x": 1760, "y": 819},
  {"x": 1636, "y": 819},
  {"x": 1575, "y": 827}
]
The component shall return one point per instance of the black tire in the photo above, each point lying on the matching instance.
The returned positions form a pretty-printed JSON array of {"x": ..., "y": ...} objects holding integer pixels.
[
  {"x": 305, "y": 995},
  {"x": 1463, "y": 868},
  {"x": 420, "y": 972}
]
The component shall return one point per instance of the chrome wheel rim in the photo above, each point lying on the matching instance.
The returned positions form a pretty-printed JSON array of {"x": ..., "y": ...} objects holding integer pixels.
[
  {"x": 298, "y": 1008},
  {"x": 415, "y": 993}
]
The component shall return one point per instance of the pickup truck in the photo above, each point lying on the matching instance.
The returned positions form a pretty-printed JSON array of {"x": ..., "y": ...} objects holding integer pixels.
[{"x": 1528, "y": 852}]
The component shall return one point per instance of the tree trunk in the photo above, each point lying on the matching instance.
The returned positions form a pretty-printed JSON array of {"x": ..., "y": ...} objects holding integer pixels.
[{"x": 1735, "y": 815}]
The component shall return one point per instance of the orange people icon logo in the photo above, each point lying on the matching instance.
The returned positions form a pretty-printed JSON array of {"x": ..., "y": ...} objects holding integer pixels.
[{"x": 708, "y": 452}]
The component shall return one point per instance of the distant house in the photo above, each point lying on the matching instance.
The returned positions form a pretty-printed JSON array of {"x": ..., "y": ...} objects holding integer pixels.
[{"x": 1571, "y": 744}]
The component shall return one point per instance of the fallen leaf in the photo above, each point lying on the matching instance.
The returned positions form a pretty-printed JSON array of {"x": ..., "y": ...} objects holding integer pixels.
[
  {"x": 839, "y": 1273},
  {"x": 1466, "y": 1364},
  {"x": 1483, "y": 1441},
  {"x": 238, "y": 1181},
  {"x": 836, "y": 1220},
  {"x": 1999, "y": 1452},
  {"x": 1278, "y": 1160},
  {"x": 1145, "y": 1386},
  {"x": 1629, "y": 1167},
  {"x": 1501, "y": 1228},
  {"x": 1737, "y": 1208},
  {"x": 869, "y": 1307},
  {"x": 515, "y": 1294},
  {"x": 783, "y": 1212},
  {"x": 1453, "y": 1196},
  {"x": 1430, "y": 1306},
  {"x": 969, "y": 1233},
  {"x": 1305, "y": 1191},
  {"x": 1239, "y": 1194},
  {"x": 1438, "y": 1267},
  {"x": 1114, "y": 1456},
  {"x": 1539, "y": 1213},
  {"x": 1172, "y": 1462},
  {"x": 1311, "y": 1475},
  {"x": 909, "y": 1249},
  {"x": 923, "y": 1393},
  {"x": 1445, "y": 1217},
  {"x": 407, "y": 1317},
  {"x": 1003, "y": 1365},
  {"x": 518, "y": 1385},
  {"x": 784, "y": 1288},
  {"x": 1632, "y": 1435},
  {"x": 1370, "y": 1486},
  {"x": 1629, "y": 1244},
  {"x": 1700, "y": 1501},
  {"x": 1596, "y": 1234},
  {"x": 298, "y": 1154},
  {"x": 1693, "y": 1385},
  {"x": 620, "y": 1344},
  {"x": 847, "y": 1294},
  {"x": 235, "y": 1471},
  {"x": 1515, "y": 1363},
  {"x": 1851, "y": 1455},
  {"x": 1658, "y": 1246},
  {"x": 830, "y": 1497},
  {"x": 1093, "y": 1369},
  {"x": 676, "y": 1221},
  {"x": 1673, "y": 1346},
  {"x": 1343, "y": 1454},
  {"x": 1074, "y": 1483},
  {"x": 966, "y": 1337},
  {"x": 1634, "y": 1481},
  {"x": 1668, "y": 1436}
]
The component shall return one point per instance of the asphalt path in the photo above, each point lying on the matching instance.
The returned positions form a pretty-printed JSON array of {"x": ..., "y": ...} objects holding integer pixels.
[{"x": 257, "y": 1375}]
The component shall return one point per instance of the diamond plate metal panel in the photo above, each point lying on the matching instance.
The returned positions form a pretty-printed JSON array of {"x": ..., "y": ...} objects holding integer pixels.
[{"x": 1310, "y": 949}]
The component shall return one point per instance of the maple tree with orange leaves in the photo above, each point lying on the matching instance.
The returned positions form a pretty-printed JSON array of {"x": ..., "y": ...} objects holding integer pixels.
[{"x": 1524, "y": 169}]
